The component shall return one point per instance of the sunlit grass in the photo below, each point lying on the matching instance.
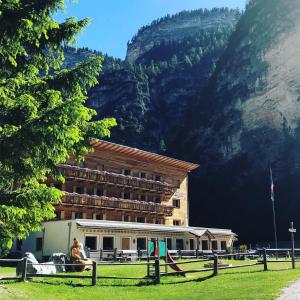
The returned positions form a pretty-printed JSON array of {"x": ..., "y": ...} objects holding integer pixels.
[{"x": 241, "y": 283}]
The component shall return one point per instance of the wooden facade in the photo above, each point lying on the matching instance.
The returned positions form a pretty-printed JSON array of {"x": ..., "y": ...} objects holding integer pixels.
[{"x": 120, "y": 183}]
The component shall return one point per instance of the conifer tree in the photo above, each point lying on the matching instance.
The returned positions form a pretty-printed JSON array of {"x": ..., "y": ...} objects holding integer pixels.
[{"x": 42, "y": 114}]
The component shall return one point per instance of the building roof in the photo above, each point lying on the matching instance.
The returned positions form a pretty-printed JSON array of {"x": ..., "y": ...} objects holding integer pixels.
[
  {"x": 197, "y": 231},
  {"x": 145, "y": 155}
]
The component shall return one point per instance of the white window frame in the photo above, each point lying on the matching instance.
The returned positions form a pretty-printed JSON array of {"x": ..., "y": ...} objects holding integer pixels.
[
  {"x": 211, "y": 242},
  {"x": 176, "y": 199},
  {"x": 109, "y": 235},
  {"x": 141, "y": 237},
  {"x": 97, "y": 241},
  {"x": 141, "y": 222},
  {"x": 172, "y": 242}
]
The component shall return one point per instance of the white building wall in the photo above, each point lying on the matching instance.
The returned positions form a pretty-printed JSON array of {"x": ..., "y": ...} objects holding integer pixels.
[{"x": 59, "y": 235}]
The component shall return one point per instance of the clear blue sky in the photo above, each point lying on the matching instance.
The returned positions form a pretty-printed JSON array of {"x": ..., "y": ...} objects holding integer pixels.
[{"x": 114, "y": 22}]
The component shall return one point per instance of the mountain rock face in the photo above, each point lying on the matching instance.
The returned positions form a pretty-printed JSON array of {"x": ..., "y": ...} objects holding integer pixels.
[
  {"x": 250, "y": 121},
  {"x": 203, "y": 87},
  {"x": 150, "y": 97},
  {"x": 176, "y": 27}
]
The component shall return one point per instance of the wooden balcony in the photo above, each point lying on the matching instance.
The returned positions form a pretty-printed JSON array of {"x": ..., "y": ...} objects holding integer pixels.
[
  {"x": 115, "y": 203},
  {"x": 115, "y": 179}
]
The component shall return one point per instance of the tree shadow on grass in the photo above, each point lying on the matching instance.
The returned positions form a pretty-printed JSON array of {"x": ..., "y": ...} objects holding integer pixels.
[{"x": 189, "y": 280}]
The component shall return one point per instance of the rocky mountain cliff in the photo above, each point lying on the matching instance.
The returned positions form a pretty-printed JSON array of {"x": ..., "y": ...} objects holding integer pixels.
[
  {"x": 200, "y": 87},
  {"x": 175, "y": 28},
  {"x": 246, "y": 120},
  {"x": 150, "y": 97}
]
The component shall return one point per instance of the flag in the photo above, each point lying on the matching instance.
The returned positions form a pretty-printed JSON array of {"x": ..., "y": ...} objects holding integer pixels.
[{"x": 272, "y": 185}]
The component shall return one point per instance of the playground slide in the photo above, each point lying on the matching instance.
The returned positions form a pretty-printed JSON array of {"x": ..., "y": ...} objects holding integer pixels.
[{"x": 173, "y": 266}]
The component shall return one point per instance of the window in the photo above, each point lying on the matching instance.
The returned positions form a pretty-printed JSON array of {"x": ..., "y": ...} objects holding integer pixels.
[
  {"x": 126, "y": 218},
  {"x": 19, "y": 245},
  {"x": 157, "y": 178},
  {"x": 91, "y": 242},
  {"x": 78, "y": 215},
  {"x": 158, "y": 221},
  {"x": 176, "y": 203},
  {"x": 192, "y": 244},
  {"x": 100, "y": 167},
  {"x": 127, "y": 172},
  {"x": 169, "y": 243},
  {"x": 141, "y": 243},
  {"x": 179, "y": 244},
  {"x": 140, "y": 219},
  {"x": 143, "y": 175},
  {"x": 157, "y": 200},
  {"x": 143, "y": 198},
  {"x": 223, "y": 245},
  {"x": 108, "y": 243},
  {"x": 205, "y": 245},
  {"x": 38, "y": 244},
  {"x": 214, "y": 245},
  {"x": 176, "y": 222},
  {"x": 79, "y": 190},
  {"x": 126, "y": 195},
  {"x": 99, "y": 192},
  {"x": 99, "y": 216}
]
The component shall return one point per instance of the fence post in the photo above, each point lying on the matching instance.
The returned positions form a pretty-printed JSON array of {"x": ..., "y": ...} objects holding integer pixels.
[
  {"x": 24, "y": 271},
  {"x": 180, "y": 253},
  {"x": 293, "y": 259},
  {"x": 265, "y": 259},
  {"x": 157, "y": 271},
  {"x": 197, "y": 253},
  {"x": 148, "y": 265},
  {"x": 94, "y": 274},
  {"x": 215, "y": 264},
  {"x": 101, "y": 254},
  {"x": 115, "y": 254}
]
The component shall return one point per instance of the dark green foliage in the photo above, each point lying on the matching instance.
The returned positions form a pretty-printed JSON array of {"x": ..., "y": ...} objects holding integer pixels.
[{"x": 42, "y": 117}]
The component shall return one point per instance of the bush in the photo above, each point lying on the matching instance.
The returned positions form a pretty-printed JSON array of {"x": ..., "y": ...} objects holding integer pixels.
[{"x": 243, "y": 248}]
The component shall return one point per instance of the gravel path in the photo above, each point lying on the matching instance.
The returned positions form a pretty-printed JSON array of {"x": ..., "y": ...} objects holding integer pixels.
[{"x": 292, "y": 292}]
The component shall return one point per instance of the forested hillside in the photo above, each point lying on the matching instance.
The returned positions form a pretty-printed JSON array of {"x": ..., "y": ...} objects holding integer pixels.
[
  {"x": 150, "y": 97},
  {"x": 219, "y": 88},
  {"x": 246, "y": 120}
]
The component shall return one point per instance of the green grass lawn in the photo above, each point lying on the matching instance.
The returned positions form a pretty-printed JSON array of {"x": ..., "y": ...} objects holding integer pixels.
[{"x": 243, "y": 283}]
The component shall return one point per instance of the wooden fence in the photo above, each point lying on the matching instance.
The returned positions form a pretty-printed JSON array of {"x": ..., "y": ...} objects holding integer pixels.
[{"x": 154, "y": 268}]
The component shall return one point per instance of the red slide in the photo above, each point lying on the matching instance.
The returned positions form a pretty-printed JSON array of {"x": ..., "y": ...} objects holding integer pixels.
[{"x": 174, "y": 266}]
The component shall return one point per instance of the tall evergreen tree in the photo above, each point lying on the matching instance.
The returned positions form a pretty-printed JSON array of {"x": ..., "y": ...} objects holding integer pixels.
[{"x": 42, "y": 114}]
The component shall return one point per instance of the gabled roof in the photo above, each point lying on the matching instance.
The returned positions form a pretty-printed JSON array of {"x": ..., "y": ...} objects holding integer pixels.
[
  {"x": 145, "y": 155},
  {"x": 116, "y": 225}
]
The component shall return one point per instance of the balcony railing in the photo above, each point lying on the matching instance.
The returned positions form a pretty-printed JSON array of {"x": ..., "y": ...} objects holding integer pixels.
[
  {"x": 116, "y": 179},
  {"x": 116, "y": 203}
]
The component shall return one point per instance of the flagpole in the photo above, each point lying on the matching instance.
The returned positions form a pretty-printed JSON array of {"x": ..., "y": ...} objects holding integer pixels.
[{"x": 273, "y": 209}]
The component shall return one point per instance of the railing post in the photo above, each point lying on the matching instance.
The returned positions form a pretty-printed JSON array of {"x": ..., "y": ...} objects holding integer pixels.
[
  {"x": 148, "y": 265},
  {"x": 265, "y": 259},
  {"x": 157, "y": 271},
  {"x": 115, "y": 254},
  {"x": 293, "y": 258},
  {"x": 197, "y": 253},
  {"x": 101, "y": 254},
  {"x": 215, "y": 264},
  {"x": 94, "y": 274},
  {"x": 24, "y": 271}
]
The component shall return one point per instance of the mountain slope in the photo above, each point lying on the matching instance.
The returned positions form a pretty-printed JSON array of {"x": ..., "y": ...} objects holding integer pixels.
[
  {"x": 150, "y": 97},
  {"x": 250, "y": 114}
]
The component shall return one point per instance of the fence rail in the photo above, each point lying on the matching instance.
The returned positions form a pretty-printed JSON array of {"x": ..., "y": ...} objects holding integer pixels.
[{"x": 153, "y": 271}]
